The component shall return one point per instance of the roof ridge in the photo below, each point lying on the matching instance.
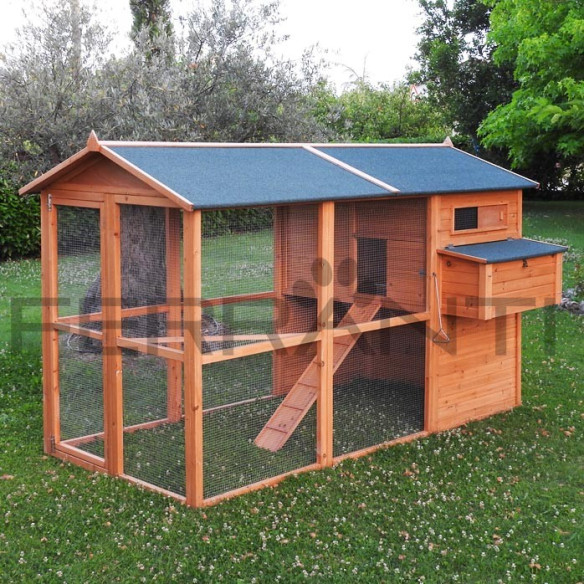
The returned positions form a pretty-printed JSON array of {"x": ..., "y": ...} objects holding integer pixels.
[
  {"x": 351, "y": 169},
  {"x": 160, "y": 144}
]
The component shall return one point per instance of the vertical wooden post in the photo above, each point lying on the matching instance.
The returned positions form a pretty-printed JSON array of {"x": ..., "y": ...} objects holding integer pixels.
[
  {"x": 325, "y": 300},
  {"x": 280, "y": 273},
  {"x": 111, "y": 294},
  {"x": 519, "y": 213},
  {"x": 433, "y": 306},
  {"x": 50, "y": 312},
  {"x": 558, "y": 280},
  {"x": 173, "y": 319},
  {"x": 518, "y": 359},
  {"x": 193, "y": 359},
  {"x": 487, "y": 308}
]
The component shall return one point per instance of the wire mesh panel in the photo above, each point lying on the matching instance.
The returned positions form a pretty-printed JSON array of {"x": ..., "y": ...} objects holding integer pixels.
[
  {"x": 379, "y": 389},
  {"x": 261, "y": 255},
  {"x": 153, "y": 440},
  {"x": 80, "y": 357},
  {"x": 78, "y": 272},
  {"x": 151, "y": 386},
  {"x": 81, "y": 395},
  {"x": 238, "y": 401},
  {"x": 143, "y": 267}
]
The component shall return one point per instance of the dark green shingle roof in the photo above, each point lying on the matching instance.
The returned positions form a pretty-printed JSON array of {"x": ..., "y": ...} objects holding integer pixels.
[
  {"x": 233, "y": 176},
  {"x": 507, "y": 250}
]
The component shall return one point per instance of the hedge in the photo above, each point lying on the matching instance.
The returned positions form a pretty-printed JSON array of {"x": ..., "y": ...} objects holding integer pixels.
[{"x": 19, "y": 223}]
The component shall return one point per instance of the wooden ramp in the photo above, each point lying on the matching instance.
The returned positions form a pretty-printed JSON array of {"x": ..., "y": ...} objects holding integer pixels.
[{"x": 304, "y": 392}]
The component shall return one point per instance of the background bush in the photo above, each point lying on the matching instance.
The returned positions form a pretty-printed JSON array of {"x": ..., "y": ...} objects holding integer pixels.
[
  {"x": 236, "y": 221},
  {"x": 19, "y": 223}
]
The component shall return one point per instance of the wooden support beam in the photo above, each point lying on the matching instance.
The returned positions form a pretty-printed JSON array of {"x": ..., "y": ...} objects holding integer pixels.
[
  {"x": 281, "y": 342},
  {"x": 325, "y": 304},
  {"x": 487, "y": 307},
  {"x": 111, "y": 293},
  {"x": 78, "y": 330},
  {"x": 144, "y": 346},
  {"x": 50, "y": 312},
  {"x": 433, "y": 306},
  {"x": 518, "y": 358},
  {"x": 376, "y": 325},
  {"x": 193, "y": 364},
  {"x": 238, "y": 298},
  {"x": 174, "y": 315},
  {"x": 126, "y": 313}
]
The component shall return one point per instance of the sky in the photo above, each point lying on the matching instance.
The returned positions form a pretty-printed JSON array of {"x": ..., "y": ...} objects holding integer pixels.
[{"x": 371, "y": 38}]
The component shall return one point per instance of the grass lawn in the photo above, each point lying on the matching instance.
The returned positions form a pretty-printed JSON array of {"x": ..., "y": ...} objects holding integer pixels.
[{"x": 499, "y": 500}]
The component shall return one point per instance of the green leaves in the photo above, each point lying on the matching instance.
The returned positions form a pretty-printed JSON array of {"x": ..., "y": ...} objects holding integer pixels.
[
  {"x": 19, "y": 223},
  {"x": 367, "y": 113},
  {"x": 544, "y": 42}
]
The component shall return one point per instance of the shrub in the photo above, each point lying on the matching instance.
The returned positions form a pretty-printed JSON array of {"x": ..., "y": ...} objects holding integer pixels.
[
  {"x": 19, "y": 223},
  {"x": 236, "y": 221}
]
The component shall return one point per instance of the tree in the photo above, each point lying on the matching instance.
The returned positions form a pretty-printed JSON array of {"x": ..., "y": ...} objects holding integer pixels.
[
  {"x": 368, "y": 113},
  {"x": 542, "y": 124},
  {"x": 49, "y": 92},
  {"x": 457, "y": 66},
  {"x": 153, "y": 15},
  {"x": 219, "y": 80}
]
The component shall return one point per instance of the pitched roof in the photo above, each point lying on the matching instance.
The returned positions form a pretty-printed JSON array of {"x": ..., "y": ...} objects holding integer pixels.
[{"x": 202, "y": 175}]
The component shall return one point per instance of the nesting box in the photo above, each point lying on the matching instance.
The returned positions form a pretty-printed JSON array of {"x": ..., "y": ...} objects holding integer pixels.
[{"x": 218, "y": 316}]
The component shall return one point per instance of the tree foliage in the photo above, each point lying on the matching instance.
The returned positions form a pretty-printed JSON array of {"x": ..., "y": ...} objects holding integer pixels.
[
  {"x": 217, "y": 80},
  {"x": 19, "y": 222},
  {"x": 542, "y": 125},
  {"x": 457, "y": 66},
  {"x": 153, "y": 15},
  {"x": 368, "y": 113}
]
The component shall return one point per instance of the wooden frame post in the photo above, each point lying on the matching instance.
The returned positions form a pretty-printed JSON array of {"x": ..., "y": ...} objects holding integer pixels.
[
  {"x": 50, "y": 313},
  {"x": 111, "y": 294},
  {"x": 325, "y": 303},
  {"x": 433, "y": 305},
  {"x": 173, "y": 318},
  {"x": 193, "y": 359}
]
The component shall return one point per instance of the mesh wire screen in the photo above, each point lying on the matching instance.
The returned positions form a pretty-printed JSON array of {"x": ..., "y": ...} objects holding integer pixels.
[
  {"x": 81, "y": 395},
  {"x": 379, "y": 389},
  {"x": 238, "y": 400},
  {"x": 143, "y": 267},
  {"x": 262, "y": 250},
  {"x": 153, "y": 437},
  {"x": 80, "y": 357},
  {"x": 152, "y": 386},
  {"x": 78, "y": 272}
]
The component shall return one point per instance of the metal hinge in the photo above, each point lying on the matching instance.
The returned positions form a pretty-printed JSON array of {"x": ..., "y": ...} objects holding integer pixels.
[
  {"x": 50, "y": 202},
  {"x": 53, "y": 444}
]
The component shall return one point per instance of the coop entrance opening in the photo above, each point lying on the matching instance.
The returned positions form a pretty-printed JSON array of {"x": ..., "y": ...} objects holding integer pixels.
[{"x": 372, "y": 266}]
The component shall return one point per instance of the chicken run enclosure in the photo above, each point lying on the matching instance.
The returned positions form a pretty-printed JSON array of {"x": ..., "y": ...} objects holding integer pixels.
[{"x": 217, "y": 317}]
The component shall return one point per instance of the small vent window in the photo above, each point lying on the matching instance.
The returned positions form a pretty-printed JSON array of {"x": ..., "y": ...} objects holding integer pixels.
[
  {"x": 372, "y": 266},
  {"x": 466, "y": 218}
]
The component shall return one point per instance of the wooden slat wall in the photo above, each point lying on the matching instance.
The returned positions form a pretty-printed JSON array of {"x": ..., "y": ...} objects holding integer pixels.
[
  {"x": 101, "y": 176},
  {"x": 485, "y": 291},
  {"x": 460, "y": 287},
  {"x": 477, "y": 371},
  {"x": 389, "y": 220},
  {"x": 446, "y": 233}
]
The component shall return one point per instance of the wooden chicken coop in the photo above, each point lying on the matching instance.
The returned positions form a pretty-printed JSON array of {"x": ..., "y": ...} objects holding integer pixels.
[{"x": 218, "y": 316}]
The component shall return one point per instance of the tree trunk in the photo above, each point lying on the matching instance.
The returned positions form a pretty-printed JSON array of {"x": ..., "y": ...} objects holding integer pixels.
[{"x": 143, "y": 263}]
